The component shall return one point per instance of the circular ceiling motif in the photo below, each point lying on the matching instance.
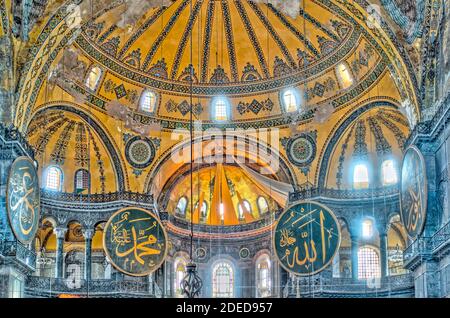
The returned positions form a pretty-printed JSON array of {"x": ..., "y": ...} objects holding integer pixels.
[
  {"x": 301, "y": 150},
  {"x": 135, "y": 241},
  {"x": 413, "y": 192},
  {"x": 23, "y": 199},
  {"x": 140, "y": 152},
  {"x": 306, "y": 238}
]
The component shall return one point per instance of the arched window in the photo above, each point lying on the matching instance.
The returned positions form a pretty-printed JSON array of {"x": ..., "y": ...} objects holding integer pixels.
[
  {"x": 181, "y": 206},
  {"x": 263, "y": 206},
  {"x": 290, "y": 101},
  {"x": 389, "y": 172},
  {"x": 361, "y": 177},
  {"x": 148, "y": 101},
  {"x": 81, "y": 180},
  {"x": 53, "y": 179},
  {"x": 221, "y": 110},
  {"x": 344, "y": 75},
  {"x": 244, "y": 205},
  {"x": 368, "y": 263},
  {"x": 93, "y": 78},
  {"x": 367, "y": 228},
  {"x": 180, "y": 272},
  {"x": 223, "y": 280},
  {"x": 203, "y": 209},
  {"x": 263, "y": 276}
]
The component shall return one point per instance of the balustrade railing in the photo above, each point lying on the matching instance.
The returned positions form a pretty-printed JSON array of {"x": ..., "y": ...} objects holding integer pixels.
[
  {"x": 96, "y": 198},
  {"x": 441, "y": 238},
  {"x": 419, "y": 247},
  {"x": 20, "y": 252},
  {"x": 343, "y": 194},
  {"x": 335, "y": 286},
  {"x": 44, "y": 286}
]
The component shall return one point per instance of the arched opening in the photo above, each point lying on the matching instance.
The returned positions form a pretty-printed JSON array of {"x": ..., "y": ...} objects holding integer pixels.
[
  {"x": 148, "y": 101},
  {"x": 223, "y": 280},
  {"x": 361, "y": 176},
  {"x": 82, "y": 181},
  {"x": 93, "y": 78},
  {"x": 53, "y": 179},
  {"x": 368, "y": 263},
  {"x": 263, "y": 276},
  {"x": 389, "y": 172},
  {"x": 344, "y": 75}
]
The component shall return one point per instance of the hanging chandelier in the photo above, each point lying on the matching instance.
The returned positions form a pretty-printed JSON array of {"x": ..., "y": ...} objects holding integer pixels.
[{"x": 192, "y": 283}]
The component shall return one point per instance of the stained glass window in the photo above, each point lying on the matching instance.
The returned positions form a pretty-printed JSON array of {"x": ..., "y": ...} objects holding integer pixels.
[
  {"x": 361, "y": 177},
  {"x": 223, "y": 280},
  {"x": 93, "y": 78},
  {"x": 148, "y": 101},
  {"x": 220, "y": 109},
  {"x": 263, "y": 277},
  {"x": 290, "y": 101},
  {"x": 389, "y": 172},
  {"x": 344, "y": 75},
  {"x": 182, "y": 206},
  {"x": 81, "y": 180},
  {"x": 53, "y": 179},
  {"x": 368, "y": 263},
  {"x": 263, "y": 206}
]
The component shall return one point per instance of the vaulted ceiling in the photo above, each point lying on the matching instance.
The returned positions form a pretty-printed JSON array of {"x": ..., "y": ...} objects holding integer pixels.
[{"x": 249, "y": 52}]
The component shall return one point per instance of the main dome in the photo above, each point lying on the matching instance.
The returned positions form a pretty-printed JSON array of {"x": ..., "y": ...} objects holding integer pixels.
[{"x": 224, "y": 42}]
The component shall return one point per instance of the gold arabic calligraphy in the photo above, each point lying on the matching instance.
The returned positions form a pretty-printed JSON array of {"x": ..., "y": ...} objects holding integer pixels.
[
  {"x": 299, "y": 240},
  {"x": 134, "y": 242},
  {"x": 21, "y": 205}
]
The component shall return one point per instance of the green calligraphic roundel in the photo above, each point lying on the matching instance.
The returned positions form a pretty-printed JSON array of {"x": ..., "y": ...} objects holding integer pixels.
[
  {"x": 413, "y": 192},
  {"x": 23, "y": 199},
  {"x": 307, "y": 237},
  {"x": 135, "y": 241}
]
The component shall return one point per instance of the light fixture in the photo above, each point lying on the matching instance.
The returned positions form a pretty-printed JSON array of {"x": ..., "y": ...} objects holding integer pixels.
[{"x": 192, "y": 283}]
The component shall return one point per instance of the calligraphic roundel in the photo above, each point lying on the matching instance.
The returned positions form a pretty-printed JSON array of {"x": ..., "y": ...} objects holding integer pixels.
[
  {"x": 306, "y": 238},
  {"x": 413, "y": 192},
  {"x": 135, "y": 241},
  {"x": 23, "y": 199}
]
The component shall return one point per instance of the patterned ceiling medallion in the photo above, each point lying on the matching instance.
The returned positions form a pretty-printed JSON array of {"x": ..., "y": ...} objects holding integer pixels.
[
  {"x": 200, "y": 253},
  {"x": 140, "y": 152},
  {"x": 301, "y": 150},
  {"x": 244, "y": 253}
]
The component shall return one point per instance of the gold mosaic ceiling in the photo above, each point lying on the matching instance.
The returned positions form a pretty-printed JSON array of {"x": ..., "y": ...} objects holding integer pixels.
[{"x": 224, "y": 41}]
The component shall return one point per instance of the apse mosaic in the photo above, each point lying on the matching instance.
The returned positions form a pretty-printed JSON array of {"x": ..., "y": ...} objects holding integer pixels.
[{"x": 23, "y": 199}]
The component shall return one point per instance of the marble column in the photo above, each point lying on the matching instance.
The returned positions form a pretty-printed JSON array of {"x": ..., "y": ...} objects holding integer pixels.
[
  {"x": 60, "y": 237},
  {"x": 384, "y": 254},
  {"x": 355, "y": 247},
  {"x": 88, "y": 235}
]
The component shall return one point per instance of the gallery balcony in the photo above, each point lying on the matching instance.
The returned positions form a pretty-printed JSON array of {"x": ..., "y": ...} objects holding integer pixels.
[
  {"x": 16, "y": 253},
  {"x": 59, "y": 287},
  {"x": 441, "y": 239},
  {"x": 401, "y": 286}
]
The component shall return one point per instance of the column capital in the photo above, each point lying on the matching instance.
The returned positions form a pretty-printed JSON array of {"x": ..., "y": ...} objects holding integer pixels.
[
  {"x": 60, "y": 232},
  {"x": 88, "y": 234}
]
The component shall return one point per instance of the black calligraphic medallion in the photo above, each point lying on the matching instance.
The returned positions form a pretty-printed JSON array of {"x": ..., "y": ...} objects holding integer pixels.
[
  {"x": 135, "y": 241},
  {"x": 413, "y": 192},
  {"x": 23, "y": 199},
  {"x": 307, "y": 237}
]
